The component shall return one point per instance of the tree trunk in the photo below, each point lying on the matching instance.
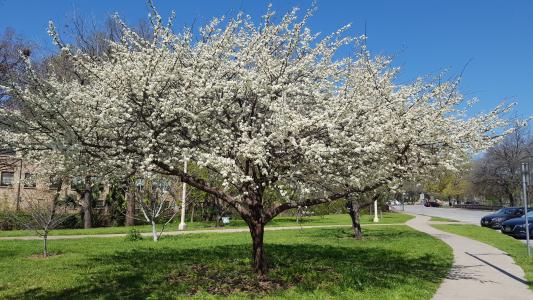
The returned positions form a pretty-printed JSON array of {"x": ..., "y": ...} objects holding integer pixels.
[
  {"x": 217, "y": 221},
  {"x": 107, "y": 214},
  {"x": 87, "y": 208},
  {"x": 202, "y": 214},
  {"x": 45, "y": 244},
  {"x": 154, "y": 231},
  {"x": 258, "y": 252},
  {"x": 192, "y": 212},
  {"x": 511, "y": 199},
  {"x": 353, "y": 211},
  {"x": 130, "y": 210}
]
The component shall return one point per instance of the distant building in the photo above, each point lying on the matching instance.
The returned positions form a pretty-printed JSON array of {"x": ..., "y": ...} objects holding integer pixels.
[{"x": 17, "y": 182}]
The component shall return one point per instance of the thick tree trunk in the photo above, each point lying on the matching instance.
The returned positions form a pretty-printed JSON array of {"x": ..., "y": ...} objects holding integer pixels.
[
  {"x": 130, "y": 210},
  {"x": 87, "y": 208},
  {"x": 353, "y": 211},
  {"x": 258, "y": 252},
  {"x": 217, "y": 222}
]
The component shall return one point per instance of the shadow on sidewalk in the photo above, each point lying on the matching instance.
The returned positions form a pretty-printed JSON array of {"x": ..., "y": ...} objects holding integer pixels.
[{"x": 499, "y": 269}]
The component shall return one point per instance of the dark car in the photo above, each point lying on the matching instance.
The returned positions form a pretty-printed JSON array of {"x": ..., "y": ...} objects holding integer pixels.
[
  {"x": 429, "y": 203},
  {"x": 517, "y": 227},
  {"x": 496, "y": 219}
]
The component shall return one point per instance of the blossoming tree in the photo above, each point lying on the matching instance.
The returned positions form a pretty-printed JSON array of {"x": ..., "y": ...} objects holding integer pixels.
[{"x": 270, "y": 110}]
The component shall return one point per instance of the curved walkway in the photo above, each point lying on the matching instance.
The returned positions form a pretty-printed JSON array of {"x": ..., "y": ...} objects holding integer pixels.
[{"x": 479, "y": 271}]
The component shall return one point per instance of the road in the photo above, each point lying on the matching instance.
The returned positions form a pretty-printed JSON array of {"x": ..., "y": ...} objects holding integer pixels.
[{"x": 464, "y": 215}]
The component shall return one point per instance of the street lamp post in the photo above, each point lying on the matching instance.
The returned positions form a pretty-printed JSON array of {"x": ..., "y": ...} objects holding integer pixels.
[
  {"x": 182, "y": 225},
  {"x": 525, "y": 182},
  {"x": 376, "y": 219}
]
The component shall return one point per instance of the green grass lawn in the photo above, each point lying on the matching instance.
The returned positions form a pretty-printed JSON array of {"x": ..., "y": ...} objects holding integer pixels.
[
  {"x": 439, "y": 219},
  {"x": 319, "y": 263},
  {"x": 513, "y": 247},
  {"x": 387, "y": 218}
]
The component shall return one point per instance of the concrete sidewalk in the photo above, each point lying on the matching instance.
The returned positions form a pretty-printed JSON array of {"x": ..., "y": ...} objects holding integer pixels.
[
  {"x": 172, "y": 233},
  {"x": 479, "y": 271}
]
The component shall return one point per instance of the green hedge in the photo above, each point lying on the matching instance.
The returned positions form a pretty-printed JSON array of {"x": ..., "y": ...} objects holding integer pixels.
[{"x": 16, "y": 220}]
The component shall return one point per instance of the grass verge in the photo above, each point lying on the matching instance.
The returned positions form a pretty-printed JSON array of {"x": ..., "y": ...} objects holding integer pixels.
[
  {"x": 321, "y": 263},
  {"x": 516, "y": 249},
  {"x": 387, "y": 218},
  {"x": 440, "y": 219}
]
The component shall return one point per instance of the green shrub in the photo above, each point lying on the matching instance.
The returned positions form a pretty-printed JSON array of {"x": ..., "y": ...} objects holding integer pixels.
[
  {"x": 73, "y": 221},
  {"x": 11, "y": 220},
  {"x": 133, "y": 235}
]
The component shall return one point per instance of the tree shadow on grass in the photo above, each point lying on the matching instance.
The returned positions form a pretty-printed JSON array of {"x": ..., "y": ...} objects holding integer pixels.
[{"x": 167, "y": 273}]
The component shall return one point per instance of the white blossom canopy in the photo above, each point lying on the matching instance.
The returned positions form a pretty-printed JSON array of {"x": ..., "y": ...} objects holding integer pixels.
[{"x": 268, "y": 108}]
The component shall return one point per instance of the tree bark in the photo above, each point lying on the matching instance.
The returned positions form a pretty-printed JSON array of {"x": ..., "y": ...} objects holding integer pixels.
[
  {"x": 511, "y": 199},
  {"x": 154, "y": 231},
  {"x": 45, "y": 244},
  {"x": 130, "y": 210},
  {"x": 353, "y": 211},
  {"x": 107, "y": 214},
  {"x": 217, "y": 221},
  {"x": 258, "y": 252},
  {"x": 192, "y": 212},
  {"x": 87, "y": 207}
]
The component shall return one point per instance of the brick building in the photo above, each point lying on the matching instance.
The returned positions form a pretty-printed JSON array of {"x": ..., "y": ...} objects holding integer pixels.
[{"x": 17, "y": 182}]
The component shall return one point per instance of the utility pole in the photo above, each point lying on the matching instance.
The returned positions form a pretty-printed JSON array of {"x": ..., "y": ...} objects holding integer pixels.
[
  {"x": 525, "y": 182},
  {"x": 19, "y": 186},
  {"x": 182, "y": 225}
]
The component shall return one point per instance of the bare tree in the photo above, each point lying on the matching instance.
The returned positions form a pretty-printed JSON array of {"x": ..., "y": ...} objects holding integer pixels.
[
  {"x": 497, "y": 173},
  {"x": 94, "y": 38},
  {"x": 45, "y": 211},
  {"x": 156, "y": 199},
  {"x": 11, "y": 62}
]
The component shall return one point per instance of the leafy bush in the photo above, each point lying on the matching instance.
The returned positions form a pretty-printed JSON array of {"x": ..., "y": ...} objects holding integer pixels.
[
  {"x": 13, "y": 220},
  {"x": 71, "y": 222},
  {"x": 133, "y": 235},
  {"x": 335, "y": 207}
]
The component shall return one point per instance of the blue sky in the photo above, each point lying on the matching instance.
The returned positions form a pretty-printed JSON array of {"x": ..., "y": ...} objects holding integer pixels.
[{"x": 425, "y": 37}]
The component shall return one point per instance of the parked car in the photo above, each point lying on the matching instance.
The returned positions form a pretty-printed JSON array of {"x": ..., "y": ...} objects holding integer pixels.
[
  {"x": 517, "y": 227},
  {"x": 472, "y": 202},
  {"x": 431, "y": 203},
  {"x": 394, "y": 202},
  {"x": 496, "y": 219}
]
